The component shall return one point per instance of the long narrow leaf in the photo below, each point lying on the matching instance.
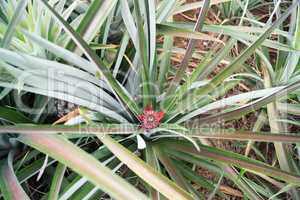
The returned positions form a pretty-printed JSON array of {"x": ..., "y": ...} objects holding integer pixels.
[
  {"x": 93, "y": 20},
  {"x": 143, "y": 170},
  {"x": 236, "y": 113},
  {"x": 13, "y": 23},
  {"x": 118, "y": 89},
  {"x": 83, "y": 163},
  {"x": 237, "y": 63},
  {"x": 184, "y": 63},
  {"x": 56, "y": 182},
  {"x": 234, "y": 159},
  {"x": 9, "y": 184}
]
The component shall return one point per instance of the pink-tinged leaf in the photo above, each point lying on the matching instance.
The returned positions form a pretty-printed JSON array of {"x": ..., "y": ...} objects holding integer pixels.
[
  {"x": 86, "y": 165},
  {"x": 9, "y": 184}
]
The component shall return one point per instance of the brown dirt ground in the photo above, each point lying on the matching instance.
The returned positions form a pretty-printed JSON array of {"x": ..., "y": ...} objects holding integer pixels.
[{"x": 245, "y": 123}]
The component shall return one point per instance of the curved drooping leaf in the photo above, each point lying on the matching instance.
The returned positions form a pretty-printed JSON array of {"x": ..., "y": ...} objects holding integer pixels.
[
  {"x": 227, "y": 157},
  {"x": 117, "y": 88},
  {"x": 10, "y": 187},
  {"x": 144, "y": 171},
  {"x": 83, "y": 163},
  {"x": 69, "y": 98},
  {"x": 236, "y": 113},
  {"x": 230, "y": 101},
  {"x": 62, "y": 53}
]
